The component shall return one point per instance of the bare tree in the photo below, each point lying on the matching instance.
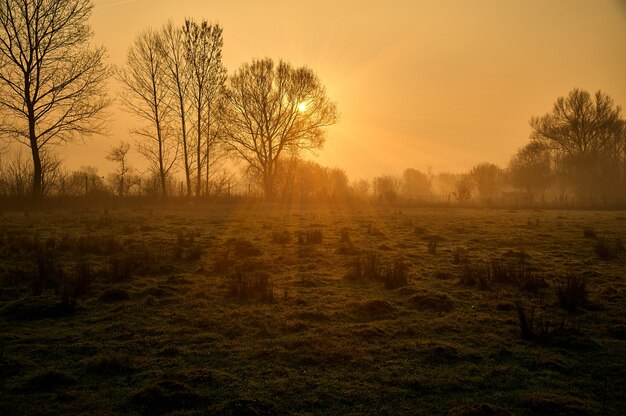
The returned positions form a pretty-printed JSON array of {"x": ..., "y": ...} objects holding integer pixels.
[
  {"x": 530, "y": 169},
  {"x": 463, "y": 188},
  {"x": 145, "y": 80},
  {"x": 178, "y": 78},
  {"x": 50, "y": 170},
  {"x": 52, "y": 86},
  {"x": 203, "y": 44},
  {"x": 119, "y": 155},
  {"x": 488, "y": 180},
  {"x": 270, "y": 109},
  {"x": 416, "y": 184},
  {"x": 583, "y": 130}
]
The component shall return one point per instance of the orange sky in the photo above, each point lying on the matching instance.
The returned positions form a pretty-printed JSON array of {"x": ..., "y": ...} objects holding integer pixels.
[{"x": 445, "y": 84}]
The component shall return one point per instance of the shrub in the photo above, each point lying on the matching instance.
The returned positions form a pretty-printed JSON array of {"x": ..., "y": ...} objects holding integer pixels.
[
  {"x": 525, "y": 321},
  {"x": 395, "y": 276},
  {"x": 459, "y": 255},
  {"x": 589, "y": 232},
  {"x": 432, "y": 247},
  {"x": 121, "y": 268},
  {"x": 365, "y": 267},
  {"x": 476, "y": 274},
  {"x": 248, "y": 285},
  {"x": 281, "y": 236},
  {"x": 313, "y": 236},
  {"x": 572, "y": 292},
  {"x": 48, "y": 272},
  {"x": 606, "y": 248},
  {"x": 345, "y": 235}
]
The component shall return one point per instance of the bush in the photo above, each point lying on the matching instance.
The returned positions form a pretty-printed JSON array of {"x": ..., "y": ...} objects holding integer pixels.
[
  {"x": 311, "y": 236},
  {"x": 395, "y": 276},
  {"x": 365, "y": 267},
  {"x": 246, "y": 285},
  {"x": 607, "y": 249},
  {"x": 589, "y": 232},
  {"x": 572, "y": 292},
  {"x": 281, "y": 236}
]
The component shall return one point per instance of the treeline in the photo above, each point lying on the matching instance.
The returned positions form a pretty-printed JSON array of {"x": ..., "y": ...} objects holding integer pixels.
[{"x": 206, "y": 131}]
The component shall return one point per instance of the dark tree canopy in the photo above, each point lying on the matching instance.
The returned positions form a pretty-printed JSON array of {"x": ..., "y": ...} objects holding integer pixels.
[
  {"x": 586, "y": 133},
  {"x": 52, "y": 85},
  {"x": 271, "y": 109}
]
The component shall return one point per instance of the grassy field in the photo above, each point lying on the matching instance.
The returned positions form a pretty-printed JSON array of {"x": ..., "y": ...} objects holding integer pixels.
[{"x": 253, "y": 309}]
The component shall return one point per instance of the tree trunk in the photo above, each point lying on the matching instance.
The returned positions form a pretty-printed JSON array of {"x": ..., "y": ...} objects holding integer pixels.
[
  {"x": 268, "y": 184},
  {"x": 37, "y": 191},
  {"x": 199, "y": 150},
  {"x": 185, "y": 149}
]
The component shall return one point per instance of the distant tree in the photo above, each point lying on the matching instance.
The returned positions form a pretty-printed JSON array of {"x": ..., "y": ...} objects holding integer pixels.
[
  {"x": 530, "y": 169},
  {"x": 50, "y": 171},
  {"x": 178, "y": 83},
  {"x": 488, "y": 180},
  {"x": 360, "y": 189},
  {"x": 416, "y": 184},
  {"x": 584, "y": 131},
  {"x": 463, "y": 188},
  {"x": 15, "y": 175},
  {"x": 123, "y": 180},
  {"x": 52, "y": 86},
  {"x": 146, "y": 96},
  {"x": 387, "y": 187},
  {"x": 203, "y": 53},
  {"x": 273, "y": 109}
]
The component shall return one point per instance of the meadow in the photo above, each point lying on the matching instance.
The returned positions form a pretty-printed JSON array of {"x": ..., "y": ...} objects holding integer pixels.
[{"x": 261, "y": 309}]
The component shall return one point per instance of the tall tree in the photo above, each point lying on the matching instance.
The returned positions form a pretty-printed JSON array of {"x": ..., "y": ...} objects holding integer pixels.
[
  {"x": 178, "y": 78},
  {"x": 530, "y": 169},
  {"x": 52, "y": 85},
  {"x": 488, "y": 180},
  {"x": 271, "y": 109},
  {"x": 203, "y": 44},
  {"x": 584, "y": 130},
  {"x": 145, "y": 80},
  {"x": 119, "y": 155}
]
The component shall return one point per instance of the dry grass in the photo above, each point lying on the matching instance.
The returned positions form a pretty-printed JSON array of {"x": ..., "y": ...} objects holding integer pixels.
[{"x": 254, "y": 309}]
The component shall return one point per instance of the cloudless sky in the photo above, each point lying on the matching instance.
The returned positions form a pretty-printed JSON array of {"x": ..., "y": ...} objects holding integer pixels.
[{"x": 440, "y": 84}]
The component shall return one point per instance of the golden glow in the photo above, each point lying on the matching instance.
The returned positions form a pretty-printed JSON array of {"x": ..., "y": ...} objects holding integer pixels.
[
  {"x": 440, "y": 84},
  {"x": 302, "y": 107}
]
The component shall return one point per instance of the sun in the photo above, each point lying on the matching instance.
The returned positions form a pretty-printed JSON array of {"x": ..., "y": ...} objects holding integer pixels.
[{"x": 302, "y": 107}]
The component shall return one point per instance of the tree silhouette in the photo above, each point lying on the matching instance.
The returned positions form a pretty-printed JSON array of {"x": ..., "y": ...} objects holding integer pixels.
[
  {"x": 203, "y": 53},
  {"x": 530, "y": 169},
  {"x": 488, "y": 180},
  {"x": 52, "y": 86},
  {"x": 585, "y": 132},
  {"x": 145, "y": 81},
  {"x": 178, "y": 81},
  {"x": 271, "y": 109}
]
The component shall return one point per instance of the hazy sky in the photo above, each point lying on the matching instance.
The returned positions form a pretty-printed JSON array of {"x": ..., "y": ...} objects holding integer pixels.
[{"x": 445, "y": 84}]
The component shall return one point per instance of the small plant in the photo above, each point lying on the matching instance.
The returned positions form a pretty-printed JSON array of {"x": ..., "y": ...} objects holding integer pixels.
[
  {"x": 432, "y": 247},
  {"x": 589, "y": 232},
  {"x": 607, "y": 249},
  {"x": 525, "y": 321},
  {"x": 313, "y": 236},
  {"x": 476, "y": 274},
  {"x": 121, "y": 268},
  {"x": 365, "y": 267},
  {"x": 459, "y": 255},
  {"x": 224, "y": 262},
  {"x": 345, "y": 236},
  {"x": 572, "y": 292},
  {"x": 48, "y": 272},
  {"x": 395, "y": 276},
  {"x": 246, "y": 285},
  {"x": 281, "y": 236}
]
